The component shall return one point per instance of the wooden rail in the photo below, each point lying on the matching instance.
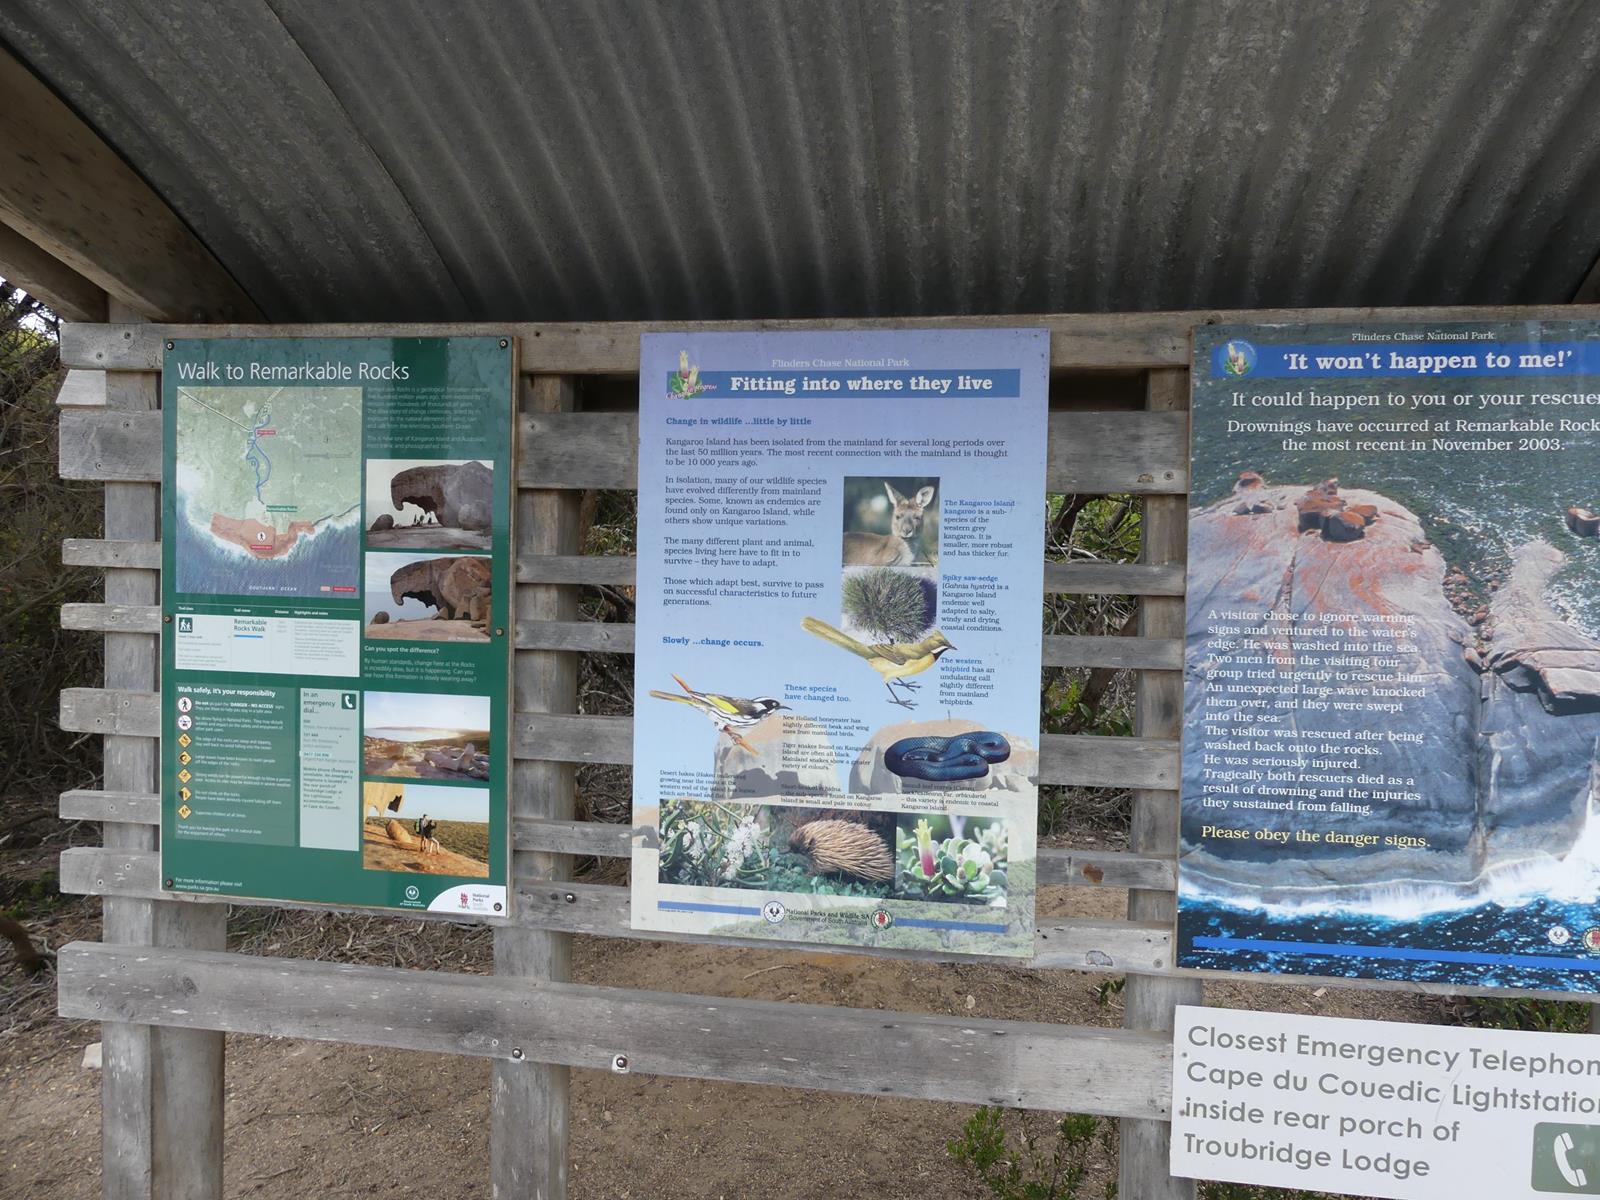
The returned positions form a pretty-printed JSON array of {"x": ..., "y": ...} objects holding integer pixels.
[
  {"x": 1085, "y": 577},
  {"x": 594, "y": 637},
  {"x": 1081, "y": 760},
  {"x": 1092, "y": 452},
  {"x": 1014, "y": 1063}
]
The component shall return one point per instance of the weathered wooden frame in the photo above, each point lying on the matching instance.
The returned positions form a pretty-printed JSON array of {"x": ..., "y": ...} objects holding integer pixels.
[{"x": 164, "y": 990}]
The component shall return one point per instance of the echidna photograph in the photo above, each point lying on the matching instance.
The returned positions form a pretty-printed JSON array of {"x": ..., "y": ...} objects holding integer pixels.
[{"x": 822, "y": 852}]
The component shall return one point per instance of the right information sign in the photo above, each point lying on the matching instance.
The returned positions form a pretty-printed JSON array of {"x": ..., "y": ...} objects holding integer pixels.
[
  {"x": 1383, "y": 1108},
  {"x": 1392, "y": 660}
]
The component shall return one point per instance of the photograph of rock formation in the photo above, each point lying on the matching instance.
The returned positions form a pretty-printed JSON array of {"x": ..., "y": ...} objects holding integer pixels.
[
  {"x": 425, "y": 735},
  {"x": 418, "y": 504},
  {"x": 428, "y": 597}
]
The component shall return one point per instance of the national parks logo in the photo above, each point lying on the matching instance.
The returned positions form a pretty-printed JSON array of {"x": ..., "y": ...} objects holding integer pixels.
[{"x": 1236, "y": 358}]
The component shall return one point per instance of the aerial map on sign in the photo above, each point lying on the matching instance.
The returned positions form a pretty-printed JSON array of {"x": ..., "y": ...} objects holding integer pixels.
[{"x": 269, "y": 490}]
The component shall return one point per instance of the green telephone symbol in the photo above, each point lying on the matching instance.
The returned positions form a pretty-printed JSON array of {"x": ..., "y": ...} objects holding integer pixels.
[{"x": 1566, "y": 1159}]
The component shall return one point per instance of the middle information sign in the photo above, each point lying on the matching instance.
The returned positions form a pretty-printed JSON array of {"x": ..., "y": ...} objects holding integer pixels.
[{"x": 841, "y": 556}]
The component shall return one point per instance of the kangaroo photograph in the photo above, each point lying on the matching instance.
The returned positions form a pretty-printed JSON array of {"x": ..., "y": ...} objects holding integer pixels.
[{"x": 890, "y": 522}]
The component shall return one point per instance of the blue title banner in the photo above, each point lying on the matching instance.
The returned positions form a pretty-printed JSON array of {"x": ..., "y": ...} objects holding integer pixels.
[
  {"x": 1238, "y": 358},
  {"x": 725, "y": 385}
]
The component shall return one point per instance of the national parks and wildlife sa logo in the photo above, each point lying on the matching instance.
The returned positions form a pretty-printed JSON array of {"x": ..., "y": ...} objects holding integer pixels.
[
  {"x": 1236, "y": 359},
  {"x": 685, "y": 381}
]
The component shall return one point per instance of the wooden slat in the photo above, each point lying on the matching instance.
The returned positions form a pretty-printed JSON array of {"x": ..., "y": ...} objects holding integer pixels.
[
  {"x": 112, "y": 445},
  {"x": 1093, "y": 452},
  {"x": 1115, "y": 762},
  {"x": 1105, "y": 868},
  {"x": 596, "y": 838},
  {"x": 45, "y": 277},
  {"x": 136, "y": 875},
  {"x": 112, "y": 618},
  {"x": 82, "y": 389},
  {"x": 1079, "y": 760},
  {"x": 1158, "y": 654},
  {"x": 618, "y": 638},
  {"x": 602, "y": 910},
  {"x": 132, "y": 808},
  {"x": 1078, "y": 341},
  {"x": 110, "y": 710},
  {"x": 1057, "y": 866},
  {"x": 69, "y": 193},
  {"x": 1074, "y": 578},
  {"x": 95, "y": 871},
  {"x": 911, "y": 1055},
  {"x": 1149, "y": 1004},
  {"x": 96, "y": 552},
  {"x": 613, "y": 570},
  {"x": 594, "y": 636},
  {"x": 1112, "y": 579},
  {"x": 1076, "y": 759}
]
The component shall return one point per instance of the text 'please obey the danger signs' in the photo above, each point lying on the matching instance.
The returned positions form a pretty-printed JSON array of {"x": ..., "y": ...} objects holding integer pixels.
[{"x": 1377, "y": 1108}]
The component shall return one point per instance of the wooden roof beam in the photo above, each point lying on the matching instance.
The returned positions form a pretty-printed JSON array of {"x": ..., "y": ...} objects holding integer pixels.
[
  {"x": 48, "y": 279},
  {"x": 67, "y": 193}
]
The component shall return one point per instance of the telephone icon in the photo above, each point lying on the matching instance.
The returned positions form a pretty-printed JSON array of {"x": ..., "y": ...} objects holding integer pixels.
[
  {"x": 1566, "y": 1159},
  {"x": 1576, "y": 1176}
]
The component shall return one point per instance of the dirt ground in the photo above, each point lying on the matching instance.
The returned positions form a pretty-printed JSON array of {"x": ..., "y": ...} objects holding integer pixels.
[{"x": 310, "y": 1119}]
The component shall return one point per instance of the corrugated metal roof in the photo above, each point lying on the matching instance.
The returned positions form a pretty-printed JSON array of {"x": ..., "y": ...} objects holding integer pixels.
[{"x": 628, "y": 159}]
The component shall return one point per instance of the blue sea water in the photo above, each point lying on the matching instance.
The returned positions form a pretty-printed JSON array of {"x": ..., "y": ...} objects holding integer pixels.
[
  {"x": 329, "y": 558},
  {"x": 1486, "y": 945}
]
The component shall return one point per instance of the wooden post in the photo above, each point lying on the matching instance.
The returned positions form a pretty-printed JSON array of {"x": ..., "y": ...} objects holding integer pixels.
[
  {"x": 1149, "y": 1001},
  {"x": 161, "y": 1089},
  {"x": 529, "y": 1109}
]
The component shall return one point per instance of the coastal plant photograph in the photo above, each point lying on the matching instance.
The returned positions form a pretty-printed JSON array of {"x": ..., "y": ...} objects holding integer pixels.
[
  {"x": 888, "y": 604},
  {"x": 708, "y": 844},
  {"x": 951, "y": 858}
]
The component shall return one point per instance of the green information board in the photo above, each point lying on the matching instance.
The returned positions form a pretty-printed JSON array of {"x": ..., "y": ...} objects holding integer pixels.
[{"x": 336, "y": 638}]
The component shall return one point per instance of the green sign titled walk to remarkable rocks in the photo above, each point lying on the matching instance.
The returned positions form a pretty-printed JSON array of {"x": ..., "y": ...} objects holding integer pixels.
[{"x": 335, "y": 591}]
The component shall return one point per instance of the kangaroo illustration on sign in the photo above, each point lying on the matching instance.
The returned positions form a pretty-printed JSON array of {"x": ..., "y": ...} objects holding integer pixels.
[{"x": 896, "y": 549}]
